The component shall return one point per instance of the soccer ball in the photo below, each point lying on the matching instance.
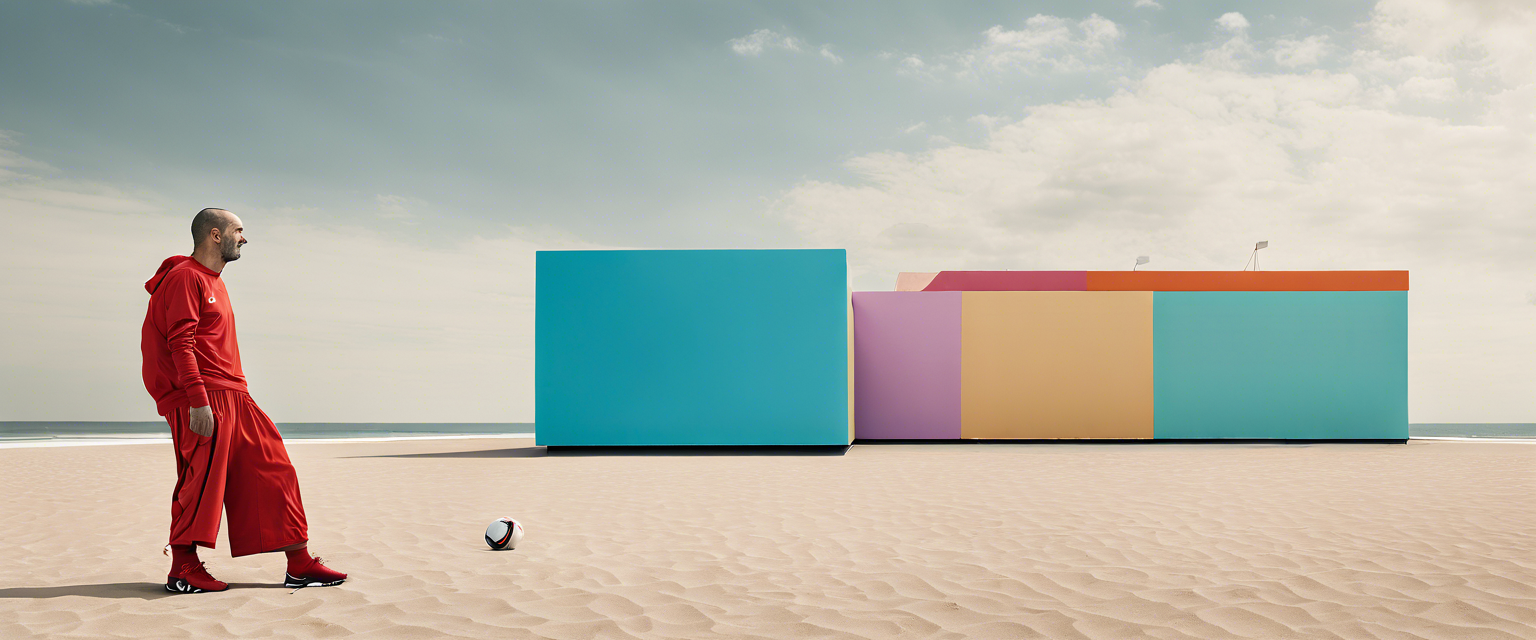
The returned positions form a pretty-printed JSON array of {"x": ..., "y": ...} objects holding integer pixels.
[{"x": 504, "y": 533}]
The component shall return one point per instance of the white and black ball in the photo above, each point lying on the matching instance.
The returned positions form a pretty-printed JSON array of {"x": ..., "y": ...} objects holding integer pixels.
[{"x": 504, "y": 533}]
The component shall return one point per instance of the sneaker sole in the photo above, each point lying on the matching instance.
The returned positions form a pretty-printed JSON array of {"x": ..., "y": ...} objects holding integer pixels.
[
  {"x": 294, "y": 583},
  {"x": 178, "y": 585}
]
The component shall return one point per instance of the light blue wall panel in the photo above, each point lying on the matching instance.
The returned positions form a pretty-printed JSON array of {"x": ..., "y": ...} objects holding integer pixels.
[
  {"x": 730, "y": 347},
  {"x": 1283, "y": 364}
]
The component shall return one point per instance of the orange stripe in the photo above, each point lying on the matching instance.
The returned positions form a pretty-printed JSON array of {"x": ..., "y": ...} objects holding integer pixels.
[{"x": 1247, "y": 280}]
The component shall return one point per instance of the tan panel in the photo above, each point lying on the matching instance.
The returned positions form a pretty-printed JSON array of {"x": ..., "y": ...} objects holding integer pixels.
[{"x": 1056, "y": 364}]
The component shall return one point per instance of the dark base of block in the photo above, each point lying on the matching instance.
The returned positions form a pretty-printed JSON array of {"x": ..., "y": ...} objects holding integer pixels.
[
  {"x": 701, "y": 450},
  {"x": 1147, "y": 441}
]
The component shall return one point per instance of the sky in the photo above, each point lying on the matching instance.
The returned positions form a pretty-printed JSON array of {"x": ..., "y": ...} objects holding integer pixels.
[{"x": 397, "y": 164}]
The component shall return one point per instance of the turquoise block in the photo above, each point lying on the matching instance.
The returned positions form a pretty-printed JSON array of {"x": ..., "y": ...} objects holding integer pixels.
[
  {"x": 744, "y": 347},
  {"x": 1281, "y": 364}
]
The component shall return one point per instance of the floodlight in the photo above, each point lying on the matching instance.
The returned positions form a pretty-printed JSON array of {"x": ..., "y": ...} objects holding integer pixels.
[{"x": 1253, "y": 258}]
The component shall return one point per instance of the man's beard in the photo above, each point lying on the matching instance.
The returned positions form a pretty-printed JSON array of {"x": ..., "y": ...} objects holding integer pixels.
[{"x": 229, "y": 249}]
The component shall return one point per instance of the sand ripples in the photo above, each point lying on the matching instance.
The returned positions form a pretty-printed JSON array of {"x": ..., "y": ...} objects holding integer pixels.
[{"x": 1063, "y": 541}]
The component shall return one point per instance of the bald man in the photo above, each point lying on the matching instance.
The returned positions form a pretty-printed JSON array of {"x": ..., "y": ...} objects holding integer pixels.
[{"x": 228, "y": 453}]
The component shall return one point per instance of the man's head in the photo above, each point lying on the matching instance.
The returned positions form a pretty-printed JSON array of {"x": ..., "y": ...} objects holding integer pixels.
[{"x": 220, "y": 231}]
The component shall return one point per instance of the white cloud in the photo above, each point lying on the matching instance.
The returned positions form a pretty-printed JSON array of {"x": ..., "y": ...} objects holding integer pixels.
[
  {"x": 1435, "y": 50},
  {"x": 13, "y": 164},
  {"x": 1231, "y": 55},
  {"x": 337, "y": 323},
  {"x": 916, "y": 66},
  {"x": 1045, "y": 44},
  {"x": 1194, "y": 162},
  {"x": 396, "y": 207},
  {"x": 986, "y": 121},
  {"x": 757, "y": 42},
  {"x": 1098, "y": 33},
  {"x": 1428, "y": 89},
  {"x": 1233, "y": 22},
  {"x": 1492, "y": 36},
  {"x": 1305, "y": 52},
  {"x": 1237, "y": 50},
  {"x": 1379, "y": 63},
  {"x": 762, "y": 41},
  {"x": 179, "y": 29},
  {"x": 1146, "y": 4},
  {"x": 1392, "y": 75}
]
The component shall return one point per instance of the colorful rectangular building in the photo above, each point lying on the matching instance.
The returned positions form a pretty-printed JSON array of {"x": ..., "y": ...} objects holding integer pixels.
[
  {"x": 768, "y": 347},
  {"x": 1287, "y": 355},
  {"x": 730, "y": 347}
]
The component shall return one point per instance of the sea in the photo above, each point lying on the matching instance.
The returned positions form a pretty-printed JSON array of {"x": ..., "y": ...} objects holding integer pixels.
[{"x": 32, "y": 434}]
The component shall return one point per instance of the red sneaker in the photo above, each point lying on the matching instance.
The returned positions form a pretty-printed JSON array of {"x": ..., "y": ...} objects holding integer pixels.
[
  {"x": 192, "y": 577},
  {"x": 314, "y": 574}
]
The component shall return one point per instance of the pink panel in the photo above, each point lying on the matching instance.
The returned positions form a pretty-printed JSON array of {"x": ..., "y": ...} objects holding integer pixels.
[{"x": 912, "y": 281}]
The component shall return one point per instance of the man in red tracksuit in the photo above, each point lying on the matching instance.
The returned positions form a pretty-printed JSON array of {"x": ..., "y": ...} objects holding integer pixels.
[{"x": 228, "y": 453}]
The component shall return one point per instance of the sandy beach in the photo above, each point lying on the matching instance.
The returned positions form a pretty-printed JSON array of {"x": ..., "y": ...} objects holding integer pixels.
[{"x": 1423, "y": 540}]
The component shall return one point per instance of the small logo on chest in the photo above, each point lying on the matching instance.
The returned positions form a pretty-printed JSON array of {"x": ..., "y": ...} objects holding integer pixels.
[{"x": 211, "y": 300}]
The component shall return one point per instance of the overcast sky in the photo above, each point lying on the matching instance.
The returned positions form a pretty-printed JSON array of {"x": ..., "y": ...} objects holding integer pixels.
[{"x": 397, "y": 164}]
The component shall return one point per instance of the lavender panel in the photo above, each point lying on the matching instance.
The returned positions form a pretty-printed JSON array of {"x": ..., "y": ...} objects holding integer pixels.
[{"x": 906, "y": 365}]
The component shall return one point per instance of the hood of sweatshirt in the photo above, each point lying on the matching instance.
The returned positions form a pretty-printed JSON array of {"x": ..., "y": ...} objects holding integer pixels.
[{"x": 165, "y": 267}]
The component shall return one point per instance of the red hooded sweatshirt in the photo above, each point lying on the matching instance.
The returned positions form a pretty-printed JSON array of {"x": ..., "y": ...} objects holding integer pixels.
[{"x": 189, "y": 336}]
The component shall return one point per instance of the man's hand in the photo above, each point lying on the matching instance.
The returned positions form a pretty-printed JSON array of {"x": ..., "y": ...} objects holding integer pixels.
[{"x": 201, "y": 421}]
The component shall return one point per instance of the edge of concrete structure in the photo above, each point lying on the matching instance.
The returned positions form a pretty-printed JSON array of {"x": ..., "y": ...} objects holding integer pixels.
[
  {"x": 699, "y": 450},
  {"x": 1142, "y": 441}
]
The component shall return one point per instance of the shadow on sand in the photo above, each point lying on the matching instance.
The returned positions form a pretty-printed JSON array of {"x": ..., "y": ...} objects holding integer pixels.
[
  {"x": 576, "y": 452},
  {"x": 518, "y": 452},
  {"x": 113, "y": 590}
]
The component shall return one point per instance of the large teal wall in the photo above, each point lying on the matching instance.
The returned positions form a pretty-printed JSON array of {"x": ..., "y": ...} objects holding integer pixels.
[
  {"x": 692, "y": 348},
  {"x": 1281, "y": 364}
]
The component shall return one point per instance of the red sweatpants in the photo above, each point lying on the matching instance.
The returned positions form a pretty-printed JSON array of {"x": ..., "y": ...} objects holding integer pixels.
[{"x": 242, "y": 466}]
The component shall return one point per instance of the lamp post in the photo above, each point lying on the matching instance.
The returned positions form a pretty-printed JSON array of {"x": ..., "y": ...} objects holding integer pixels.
[{"x": 1254, "y": 257}]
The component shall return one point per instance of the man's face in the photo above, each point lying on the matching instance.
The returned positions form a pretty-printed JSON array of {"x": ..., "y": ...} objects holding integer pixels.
[{"x": 234, "y": 238}]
